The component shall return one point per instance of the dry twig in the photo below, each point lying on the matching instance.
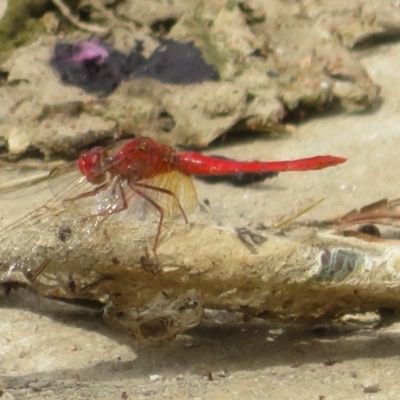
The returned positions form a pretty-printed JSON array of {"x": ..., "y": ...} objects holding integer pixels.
[{"x": 92, "y": 28}]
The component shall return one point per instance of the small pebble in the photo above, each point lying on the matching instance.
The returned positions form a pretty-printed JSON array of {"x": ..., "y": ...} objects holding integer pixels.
[
  {"x": 155, "y": 377},
  {"x": 371, "y": 385},
  {"x": 221, "y": 374}
]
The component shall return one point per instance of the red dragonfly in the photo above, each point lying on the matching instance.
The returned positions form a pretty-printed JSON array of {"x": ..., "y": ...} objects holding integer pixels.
[
  {"x": 158, "y": 174},
  {"x": 135, "y": 177}
]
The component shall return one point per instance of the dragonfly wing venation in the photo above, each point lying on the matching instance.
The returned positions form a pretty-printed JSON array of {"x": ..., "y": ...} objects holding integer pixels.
[
  {"x": 46, "y": 235},
  {"x": 82, "y": 197},
  {"x": 173, "y": 192}
]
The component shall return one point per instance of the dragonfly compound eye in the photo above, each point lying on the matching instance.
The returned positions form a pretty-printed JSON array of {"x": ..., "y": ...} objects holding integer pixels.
[{"x": 91, "y": 165}]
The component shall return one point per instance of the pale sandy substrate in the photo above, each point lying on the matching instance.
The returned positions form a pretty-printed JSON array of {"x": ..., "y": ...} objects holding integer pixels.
[{"x": 49, "y": 351}]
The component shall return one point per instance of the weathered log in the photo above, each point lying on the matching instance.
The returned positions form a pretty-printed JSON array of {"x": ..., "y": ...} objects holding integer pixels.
[{"x": 303, "y": 275}]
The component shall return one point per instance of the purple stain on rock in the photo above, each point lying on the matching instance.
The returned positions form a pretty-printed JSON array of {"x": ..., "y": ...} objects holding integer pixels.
[
  {"x": 91, "y": 65},
  {"x": 96, "y": 67},
  {"x": 92, "y": 49}
]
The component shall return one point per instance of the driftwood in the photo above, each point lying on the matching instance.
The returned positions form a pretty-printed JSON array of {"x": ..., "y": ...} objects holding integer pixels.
[{"x": 304, "y": 275}]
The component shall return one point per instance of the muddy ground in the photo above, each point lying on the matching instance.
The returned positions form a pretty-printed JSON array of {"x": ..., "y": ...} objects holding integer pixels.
[{"x": 53, "y": 351}]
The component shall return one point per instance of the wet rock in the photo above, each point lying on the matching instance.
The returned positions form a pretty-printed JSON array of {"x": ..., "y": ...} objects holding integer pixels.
[
  {"x": 176, "y": 63},
  {"x": 269, "y": 61}
]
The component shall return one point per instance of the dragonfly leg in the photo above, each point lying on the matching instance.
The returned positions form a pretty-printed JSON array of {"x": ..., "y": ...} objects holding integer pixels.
[
  {"x": 167, "y": 192},
  {"x": 154, "y": 204},
  {"x": 135, "y": 187},
  {"x": 90, "y": 193},
  {"x": 116, "y": 187}
]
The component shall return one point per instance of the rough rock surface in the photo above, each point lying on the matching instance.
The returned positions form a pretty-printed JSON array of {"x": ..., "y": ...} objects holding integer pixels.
[{"x": 272, "y": 59}]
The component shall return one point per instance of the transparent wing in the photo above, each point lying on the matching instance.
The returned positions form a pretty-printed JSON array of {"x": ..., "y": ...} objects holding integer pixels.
[
  {"x": 184, "y": 191},
  {"x": 49, "y": 236},
  {"x": 173, "y": 192},
  {"x": 76, "y": 213},
  {"x": 48, "y": 233},
  {"x": 73, "y": 190}
]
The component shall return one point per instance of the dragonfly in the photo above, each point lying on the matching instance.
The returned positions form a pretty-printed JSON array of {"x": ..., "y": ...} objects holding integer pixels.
[{"x": 131, "y": 179}]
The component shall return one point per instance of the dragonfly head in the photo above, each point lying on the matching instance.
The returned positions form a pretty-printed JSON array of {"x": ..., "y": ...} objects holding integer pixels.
[{"x": 92, "y": 165}]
